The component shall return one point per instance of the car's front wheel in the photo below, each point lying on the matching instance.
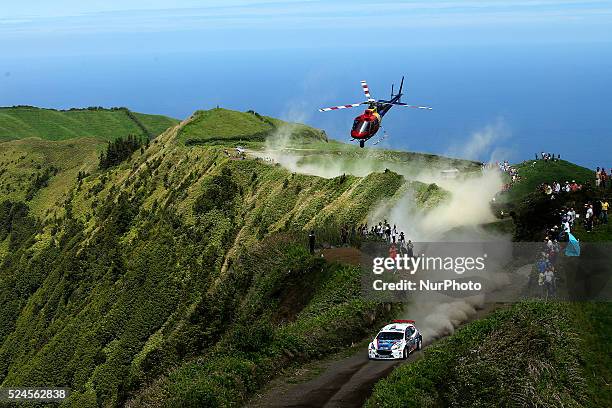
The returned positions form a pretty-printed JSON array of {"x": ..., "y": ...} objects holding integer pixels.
[
  {"x": 405, "y": 353},
  {"x": 420, "y": 344}
]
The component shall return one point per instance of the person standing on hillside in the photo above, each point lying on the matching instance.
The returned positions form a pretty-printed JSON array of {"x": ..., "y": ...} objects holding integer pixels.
[
  {"x": 572, "y": 217},
  {"x": 588, "y": 219},
  {"x": 549, "y": 282},
  {"x": 604, "y": 211},
  {"x": 596, "y": 212},
  {"x": 604, "y": 178},
  {"x": 388, "y": 233},
  {"x": 311, "y": 242},
  {"x": 410, "y": 249},
  {"x": 344, "y": 235},
  {"x": 402, "y": 242},
  {"x": 597, "y": 178},
  {"x": 393, "y": 254}
]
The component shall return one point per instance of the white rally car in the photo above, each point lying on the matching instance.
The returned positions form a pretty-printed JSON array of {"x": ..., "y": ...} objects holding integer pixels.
[{"x": 395, "y": 341}]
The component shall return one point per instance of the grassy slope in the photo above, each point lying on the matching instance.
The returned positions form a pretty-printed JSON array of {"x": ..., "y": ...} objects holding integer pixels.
[
  {"x": 35, "y": 140},
  {"x": 532, "y": 354},
  {"x": 486, "y": 364},
  {"x": 141, "y": 297},
  {"x": 49, "y": 124},
  {"x": 534, "y": 173},
  {"x": 218, "y": 125},
  {"x": 22, "y": 160},
  {"x": 134, "y": 276}
]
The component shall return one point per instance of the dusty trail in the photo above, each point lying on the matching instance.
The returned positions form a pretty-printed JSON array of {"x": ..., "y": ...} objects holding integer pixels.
[{"x": 347, "y": 382}]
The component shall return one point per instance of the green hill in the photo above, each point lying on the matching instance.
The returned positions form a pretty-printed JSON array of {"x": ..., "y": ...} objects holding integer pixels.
[
  {"x": 223, "y": 125},
  {"x": 42, "y": 172},
  {"x": 534, "y": 173},
  {"x": 105, "y": 124},
  {"x": 178, "y": 276}
]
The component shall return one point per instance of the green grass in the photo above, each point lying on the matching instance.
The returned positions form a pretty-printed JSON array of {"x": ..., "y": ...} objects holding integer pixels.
[
  {"x": 50, "y": 124},
  {"x": 531, "y": 354},
  {"x": 297, "y": 308},
  {"x": 600, "y": 232},
  {"x": 534, "y": 173},
  {"x": 22, "y": 160},
  {"x": 132, "y": 274},
  {"x": 131, "y": 286},
  {"x": 219, "y": 125}
]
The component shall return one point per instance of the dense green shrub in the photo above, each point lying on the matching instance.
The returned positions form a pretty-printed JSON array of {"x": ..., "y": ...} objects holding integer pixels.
[{"x": 525, "y": 355}]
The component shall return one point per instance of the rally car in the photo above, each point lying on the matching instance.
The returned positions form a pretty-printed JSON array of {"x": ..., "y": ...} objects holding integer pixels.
[{"x": 395, "y": 341}]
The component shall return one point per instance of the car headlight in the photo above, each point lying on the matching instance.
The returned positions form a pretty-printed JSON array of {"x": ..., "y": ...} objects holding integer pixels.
[
  {"x": 371, "y": 346},
  {"x": 396, "y": 346}
]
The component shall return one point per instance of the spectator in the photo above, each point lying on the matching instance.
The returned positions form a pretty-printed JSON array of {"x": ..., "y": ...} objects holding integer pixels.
[
  {"x": 604, "y": 211},
  {"x": 566, "y": 188},
  {"x": 344, "y": 235},
  {"x": 392, "y": 251},
  {"x": 572, "y": 215},
  {"x": 549, "y": 282},
  {"x": 311, "y": 242},
  {"x": 541, "y": 283},
  {"x": 588, "y": 219},
  {"x": 410, "y": 249}
]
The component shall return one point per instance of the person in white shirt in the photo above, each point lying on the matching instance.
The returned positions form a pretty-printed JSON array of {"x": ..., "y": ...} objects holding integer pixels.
[
  {"x": 549, "y": 244},
  {"x": 566, "y": 227},
  {"x": 549, "y": 282},
  {"x": 589, "y": 218}
]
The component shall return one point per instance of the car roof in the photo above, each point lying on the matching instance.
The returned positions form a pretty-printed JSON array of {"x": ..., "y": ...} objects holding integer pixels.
[{"x": 396, "y": 327}]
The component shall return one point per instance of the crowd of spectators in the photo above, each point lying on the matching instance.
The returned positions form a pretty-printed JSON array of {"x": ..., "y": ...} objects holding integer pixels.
[
  {"x": 383, "y": 231},
  {"x": 555, "y": 188},
  {"x": 547, "y": 156}
]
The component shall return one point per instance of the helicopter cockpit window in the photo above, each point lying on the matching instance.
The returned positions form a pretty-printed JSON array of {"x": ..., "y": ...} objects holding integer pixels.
[{"x": 365, "y": 127}]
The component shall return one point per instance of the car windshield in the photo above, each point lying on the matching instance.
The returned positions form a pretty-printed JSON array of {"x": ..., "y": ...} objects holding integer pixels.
[{"x": 390, "y": 336}]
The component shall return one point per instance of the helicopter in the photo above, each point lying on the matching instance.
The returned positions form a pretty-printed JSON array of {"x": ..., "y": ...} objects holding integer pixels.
[{"x": 369, "y": 122}]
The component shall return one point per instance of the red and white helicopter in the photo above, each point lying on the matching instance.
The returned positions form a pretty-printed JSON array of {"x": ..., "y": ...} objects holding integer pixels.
[{"x": 367, "y": 124}]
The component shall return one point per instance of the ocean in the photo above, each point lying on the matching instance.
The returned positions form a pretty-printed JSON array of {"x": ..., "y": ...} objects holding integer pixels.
[{"x": 490, "y": 103}]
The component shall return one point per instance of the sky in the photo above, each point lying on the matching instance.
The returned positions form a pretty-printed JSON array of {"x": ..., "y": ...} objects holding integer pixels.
[{"x": 533, "y": 75}]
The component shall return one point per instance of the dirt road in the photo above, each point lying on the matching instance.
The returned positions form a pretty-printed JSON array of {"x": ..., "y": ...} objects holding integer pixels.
[{"x": 344, "y": 382}]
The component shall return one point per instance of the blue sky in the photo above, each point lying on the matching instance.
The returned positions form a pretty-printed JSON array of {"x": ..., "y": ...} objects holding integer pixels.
[{"x": 69, "y": 27}]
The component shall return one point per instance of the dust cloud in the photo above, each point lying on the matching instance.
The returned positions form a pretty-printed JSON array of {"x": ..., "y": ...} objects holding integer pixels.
[{"x": 458, "y": 218}]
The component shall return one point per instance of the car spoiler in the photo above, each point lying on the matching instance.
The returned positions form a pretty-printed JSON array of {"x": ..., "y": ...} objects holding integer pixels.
[{"x": 403, "y": 321}]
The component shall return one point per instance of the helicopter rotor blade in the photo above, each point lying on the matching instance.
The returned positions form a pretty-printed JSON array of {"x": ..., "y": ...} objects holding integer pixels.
[
  {"x": 405, "y": 105},
  {"x": 353, "y": 105},
  {"x": 366, "y": 91}
]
